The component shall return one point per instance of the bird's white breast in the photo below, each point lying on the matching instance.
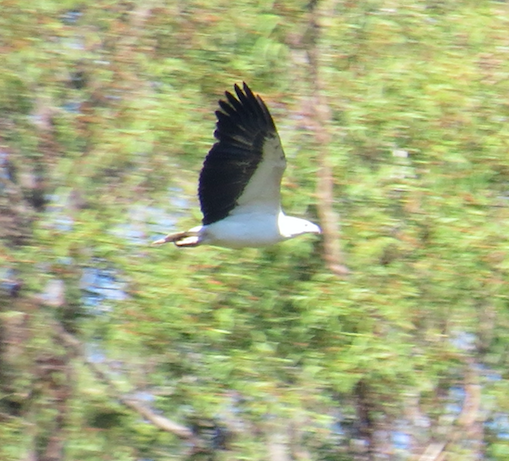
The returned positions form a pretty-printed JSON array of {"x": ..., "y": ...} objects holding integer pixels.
[{"x": 243, "y": 230}]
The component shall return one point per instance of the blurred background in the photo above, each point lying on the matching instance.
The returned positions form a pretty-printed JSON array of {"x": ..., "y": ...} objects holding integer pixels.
[{"x": 385, "y": 339}]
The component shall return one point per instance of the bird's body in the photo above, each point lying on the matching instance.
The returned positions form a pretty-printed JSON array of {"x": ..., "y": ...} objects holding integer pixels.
[
  {"x": 239, "y": 231},
  {"x": 240, "y": 181}
]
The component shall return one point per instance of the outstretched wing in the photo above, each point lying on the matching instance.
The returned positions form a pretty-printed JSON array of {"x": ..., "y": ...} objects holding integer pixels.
[{"x": 242, "y": 172}]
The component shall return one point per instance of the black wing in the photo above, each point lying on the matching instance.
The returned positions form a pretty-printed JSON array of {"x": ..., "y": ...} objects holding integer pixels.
[{"x": 244, "y": 125}]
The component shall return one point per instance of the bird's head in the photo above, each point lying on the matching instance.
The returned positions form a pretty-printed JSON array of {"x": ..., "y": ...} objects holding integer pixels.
[{"x": 290, "y": 226}]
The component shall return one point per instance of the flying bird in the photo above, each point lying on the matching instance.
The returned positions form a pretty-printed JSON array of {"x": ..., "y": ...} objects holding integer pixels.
[{"x": 239, "y": 188}]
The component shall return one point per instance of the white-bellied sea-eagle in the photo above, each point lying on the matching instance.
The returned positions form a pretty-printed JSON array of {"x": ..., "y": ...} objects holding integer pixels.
[{"x": 240, "y": 181}]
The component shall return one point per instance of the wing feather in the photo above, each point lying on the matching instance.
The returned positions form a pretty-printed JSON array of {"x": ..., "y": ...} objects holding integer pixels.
[{"x": 243, "y": 169}]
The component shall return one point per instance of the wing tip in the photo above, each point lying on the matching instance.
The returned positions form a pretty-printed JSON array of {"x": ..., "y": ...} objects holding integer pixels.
[{"x": 243, "y": 100}]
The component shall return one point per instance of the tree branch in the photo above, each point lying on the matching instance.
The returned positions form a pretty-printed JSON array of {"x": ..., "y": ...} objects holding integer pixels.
[
  {"x": 329, "y": 219},
  {"x": 467, "y": 419},
  {"x": 159, "y": 421}
]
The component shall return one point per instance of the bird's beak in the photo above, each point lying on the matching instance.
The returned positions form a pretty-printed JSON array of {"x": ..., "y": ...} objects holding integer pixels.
[{"x": 316, "y": 230}]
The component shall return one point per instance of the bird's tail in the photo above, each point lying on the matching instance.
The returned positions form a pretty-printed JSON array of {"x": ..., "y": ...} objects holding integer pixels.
[{"x": 181, "y": 239}]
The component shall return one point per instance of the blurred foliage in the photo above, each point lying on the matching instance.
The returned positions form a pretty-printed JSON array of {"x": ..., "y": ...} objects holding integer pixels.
[{"x": 106, "y": 113}]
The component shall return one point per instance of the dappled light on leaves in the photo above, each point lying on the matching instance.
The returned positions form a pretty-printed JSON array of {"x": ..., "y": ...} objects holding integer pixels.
[{"x": 110, "y": 349}]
